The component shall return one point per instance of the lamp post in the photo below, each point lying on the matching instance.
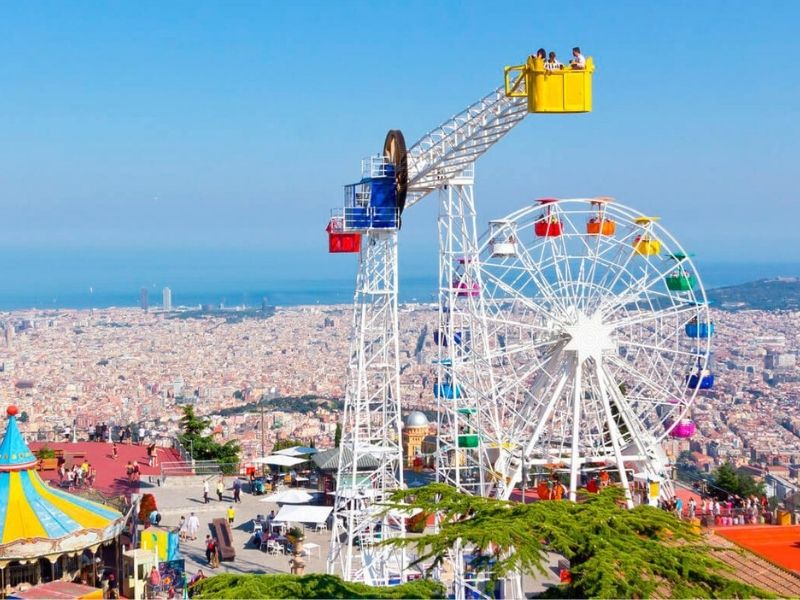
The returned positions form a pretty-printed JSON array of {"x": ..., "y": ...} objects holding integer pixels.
[
  {"x": 268, "y": 396},
  {"x": 261, "y": 405}
]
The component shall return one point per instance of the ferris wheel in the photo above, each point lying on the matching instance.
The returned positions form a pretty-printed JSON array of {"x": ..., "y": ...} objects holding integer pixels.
[{"x": 597, "y": 332}]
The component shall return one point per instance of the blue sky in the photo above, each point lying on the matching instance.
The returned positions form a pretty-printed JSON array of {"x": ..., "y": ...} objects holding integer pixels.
[{"x": 219, "y": 124}]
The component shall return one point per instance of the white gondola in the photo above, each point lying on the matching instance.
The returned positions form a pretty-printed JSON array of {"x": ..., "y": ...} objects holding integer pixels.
[{"x": 503, "y": 241}]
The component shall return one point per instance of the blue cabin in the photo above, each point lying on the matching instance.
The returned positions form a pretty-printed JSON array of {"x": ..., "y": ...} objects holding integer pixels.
[
  {"x": 447, "y": 390},
  {"x": 699, "y": 330},
  {"x": 372, "y": 202},
  {"x": 440, "y": 338},
  {"x": 703, "y": 380}
]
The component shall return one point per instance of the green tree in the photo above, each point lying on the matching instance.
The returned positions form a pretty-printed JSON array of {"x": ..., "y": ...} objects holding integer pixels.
[
  {"x": 728, "y": 481},
  {"x": 23, "y": 417},
  {"x": 283, "y": 444},
  {"x": 203, "y": 446},
  {"x": 337, "y": 436},
  {"x": 613, "y": 552}
]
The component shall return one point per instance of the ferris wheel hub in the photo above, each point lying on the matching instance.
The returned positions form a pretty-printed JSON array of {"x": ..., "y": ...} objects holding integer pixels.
[{"x": 589, "y": 336}]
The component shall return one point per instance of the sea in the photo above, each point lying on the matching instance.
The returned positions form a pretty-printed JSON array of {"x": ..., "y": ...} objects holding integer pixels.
[{"x": 100, "y": 277}]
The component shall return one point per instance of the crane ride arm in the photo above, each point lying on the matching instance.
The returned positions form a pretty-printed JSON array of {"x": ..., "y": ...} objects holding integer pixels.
[
  {"x": 443, "y": 153},
  {"x": 447, "y": 151}
]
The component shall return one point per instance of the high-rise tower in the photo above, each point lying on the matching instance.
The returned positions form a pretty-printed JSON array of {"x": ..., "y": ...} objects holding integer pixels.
[
  {"x": 166, "y": 296},
  {"x": 143, "y": 299}
]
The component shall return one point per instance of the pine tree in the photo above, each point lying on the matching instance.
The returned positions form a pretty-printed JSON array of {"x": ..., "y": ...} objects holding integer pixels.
[{"x": 613, "y": 552}]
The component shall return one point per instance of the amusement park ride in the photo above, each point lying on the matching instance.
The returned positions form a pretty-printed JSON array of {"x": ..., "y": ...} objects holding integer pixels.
[{"x": 572, "y": 336}]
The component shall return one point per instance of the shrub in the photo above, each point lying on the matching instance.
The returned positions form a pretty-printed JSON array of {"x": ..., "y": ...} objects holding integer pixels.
[
  {"x": 45, "y": 452},
  {"x": 308, "y": 586}
]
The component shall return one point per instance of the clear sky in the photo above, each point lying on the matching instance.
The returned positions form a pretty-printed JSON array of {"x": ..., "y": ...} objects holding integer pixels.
[{"x": 191, "y": 124}]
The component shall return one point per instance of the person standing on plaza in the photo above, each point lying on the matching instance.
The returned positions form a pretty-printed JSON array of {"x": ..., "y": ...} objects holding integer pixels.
[
  {"x": 154, "y": 582},
  {"x": 231, "y": 514},
  {"x": 142, "y": 433},
  {"x": 114, "y": 452},
  {"x": 182, "y": 529},
  {"x": 237, "y": 490},
  {"x": 205, "y": 492},
  {"x": 152, "y": 456},
  {"x": 192, "y": 526},
  {"x": 220, "y": 488}
]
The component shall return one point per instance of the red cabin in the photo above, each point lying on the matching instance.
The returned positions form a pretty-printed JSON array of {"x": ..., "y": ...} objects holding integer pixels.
[
  {"x": 548, "y": 224},
  {"x": 338, "y": 241},
  {"x": 547, "y": 228}
]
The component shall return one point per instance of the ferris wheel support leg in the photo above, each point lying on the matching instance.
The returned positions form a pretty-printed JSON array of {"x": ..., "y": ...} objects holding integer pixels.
[
  {"x": 575, "y": 462},
  {"x": 651, "y": 460},
  {"x": 615, "y": 438},
  {"x": 515, "y": 471}
]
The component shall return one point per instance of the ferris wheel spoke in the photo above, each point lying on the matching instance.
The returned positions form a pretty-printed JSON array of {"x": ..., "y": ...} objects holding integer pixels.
[
  {"x": 620, "y": 260},
  {"x": 637, "y": 376},
  {"x": 640, "y": 287},
  {"x": 529, "y": 303},
  {"x": 570, "y": 282},
  {"x": 539, "y": 279},
  {"x": 641, "y": 317},
  {"x": 656, "y": 359}
]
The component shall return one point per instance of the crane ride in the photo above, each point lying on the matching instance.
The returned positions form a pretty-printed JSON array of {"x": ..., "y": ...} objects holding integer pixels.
[{"x": 572, "y": 336}]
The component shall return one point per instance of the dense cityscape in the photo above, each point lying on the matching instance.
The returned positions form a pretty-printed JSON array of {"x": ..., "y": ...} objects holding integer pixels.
[{"x": 130, "y": 366}]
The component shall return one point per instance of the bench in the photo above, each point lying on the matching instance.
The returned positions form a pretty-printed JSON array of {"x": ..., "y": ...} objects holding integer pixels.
[
  {"x": 222, "y": 531},
  {"x": 48, "y": 464}
]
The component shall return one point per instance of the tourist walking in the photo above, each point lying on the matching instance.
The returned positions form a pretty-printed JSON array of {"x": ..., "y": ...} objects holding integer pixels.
[
  {"x": 231, "y": 514},
  {"x": 152, "y": 456},
  {"x": 220, "y": 489},
  {"x": 205, "y": 492},
  {"x": 114, "y": 451},
  {"x": 212, "y": 554},
  {"x": 182, "y": 529},
  {"x": 192, "y": 526},
  {"x": 237, "y": 490}
]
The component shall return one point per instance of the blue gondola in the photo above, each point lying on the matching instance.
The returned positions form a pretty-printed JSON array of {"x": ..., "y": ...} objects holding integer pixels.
[
  {"x": 440, "y": 338},
  {"x": 703, "y": 380},
  {"x": 699, "y": 330},
  {"x": 447, "y": 390},
  {"x": 372, "y": 202}
]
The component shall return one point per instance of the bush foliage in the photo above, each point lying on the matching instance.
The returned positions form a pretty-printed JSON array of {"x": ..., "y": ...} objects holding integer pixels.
[{"x": 308, "y": 586}]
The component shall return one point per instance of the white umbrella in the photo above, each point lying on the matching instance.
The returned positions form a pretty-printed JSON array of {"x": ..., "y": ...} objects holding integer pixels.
[
  {"x": 279, "y": 460},
  {"x": 297, "y": 451},
  {"x": 289, "y": 497}
]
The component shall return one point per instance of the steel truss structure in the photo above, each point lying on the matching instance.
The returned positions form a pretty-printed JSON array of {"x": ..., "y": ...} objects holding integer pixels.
[{"x": 371, "y": 427}]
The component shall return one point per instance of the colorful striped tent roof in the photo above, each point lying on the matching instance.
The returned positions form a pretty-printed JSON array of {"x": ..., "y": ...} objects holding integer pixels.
[{"x": 41, "y": 517}]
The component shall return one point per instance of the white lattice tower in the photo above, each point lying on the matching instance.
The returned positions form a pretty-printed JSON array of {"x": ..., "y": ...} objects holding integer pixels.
[
  {"x": 371, "y": 424},
  {"x": 371, "y": 427}
]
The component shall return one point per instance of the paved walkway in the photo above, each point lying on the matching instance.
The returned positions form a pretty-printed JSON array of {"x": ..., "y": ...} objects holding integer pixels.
[{"x": 174, "y": 502}]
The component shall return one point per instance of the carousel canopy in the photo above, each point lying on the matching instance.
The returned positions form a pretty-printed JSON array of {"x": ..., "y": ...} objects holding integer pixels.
[{"x": 35, "y": 516}]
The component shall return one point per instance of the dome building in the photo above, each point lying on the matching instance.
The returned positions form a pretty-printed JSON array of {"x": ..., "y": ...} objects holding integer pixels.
[{"x": 415, "y": 429}]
